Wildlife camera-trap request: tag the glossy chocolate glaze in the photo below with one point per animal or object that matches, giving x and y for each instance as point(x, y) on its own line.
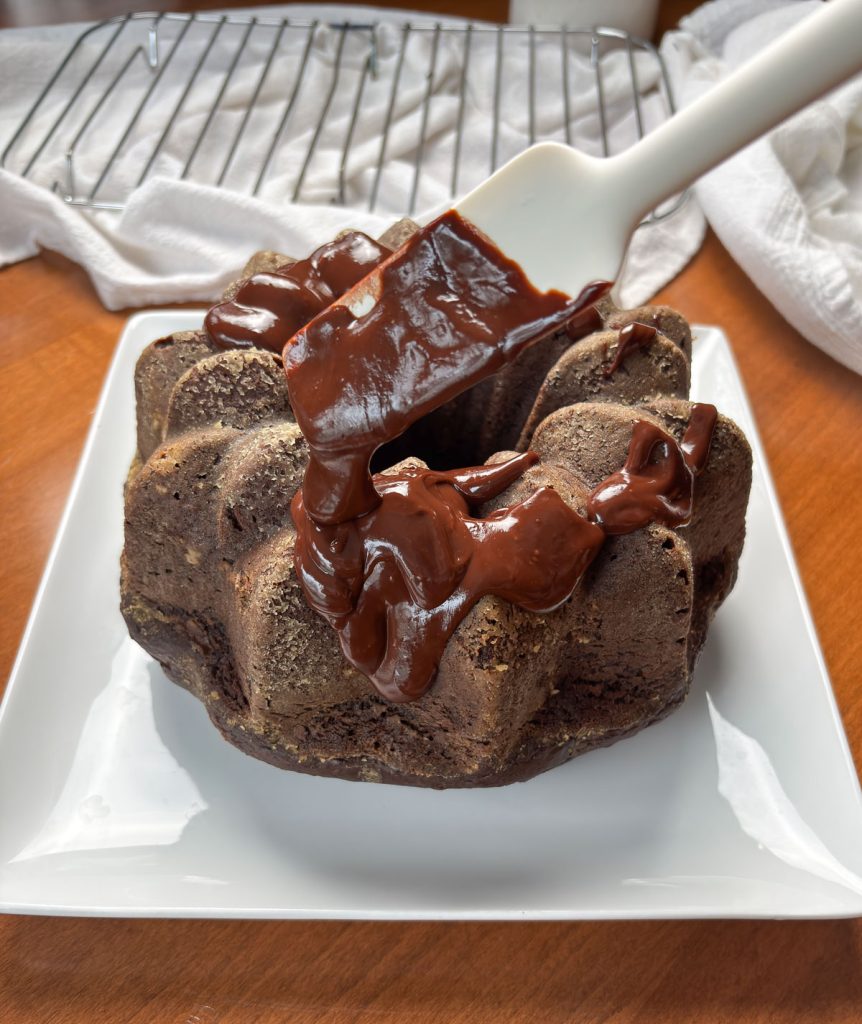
point(395, 561)
point(270, 308)
point(632, 336)
point(656, 484)
point(396, 582)
point(447, 310)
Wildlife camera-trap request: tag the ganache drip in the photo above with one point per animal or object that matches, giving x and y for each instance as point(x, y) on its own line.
point(656, 484)
point(269, 308)
point(396, 582)
point(632, 336)
point(446, 311)
point(395, 561)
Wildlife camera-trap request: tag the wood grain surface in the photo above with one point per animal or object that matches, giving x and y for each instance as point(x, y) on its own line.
point(54, 350)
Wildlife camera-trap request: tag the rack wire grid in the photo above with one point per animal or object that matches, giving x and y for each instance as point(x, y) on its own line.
point(212, 98)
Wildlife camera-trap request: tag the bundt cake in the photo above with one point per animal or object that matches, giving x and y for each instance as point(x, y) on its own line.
point(223, 570)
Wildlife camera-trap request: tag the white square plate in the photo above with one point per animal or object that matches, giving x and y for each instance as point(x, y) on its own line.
point(118, 797)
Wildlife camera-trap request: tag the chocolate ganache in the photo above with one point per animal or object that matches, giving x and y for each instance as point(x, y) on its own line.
point(395, 561)
point(656, 484)
point(446, 311)
point(270, 307)
point(396, 581)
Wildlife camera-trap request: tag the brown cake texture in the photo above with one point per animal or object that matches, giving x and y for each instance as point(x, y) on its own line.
point(209, 589)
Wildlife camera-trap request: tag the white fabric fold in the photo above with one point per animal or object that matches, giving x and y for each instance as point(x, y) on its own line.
point(788, 207)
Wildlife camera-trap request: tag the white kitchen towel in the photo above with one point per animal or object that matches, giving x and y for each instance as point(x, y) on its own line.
point(788, 207)
point(180, 240)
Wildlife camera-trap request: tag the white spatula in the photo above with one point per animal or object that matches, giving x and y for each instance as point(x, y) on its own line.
point(566, 218)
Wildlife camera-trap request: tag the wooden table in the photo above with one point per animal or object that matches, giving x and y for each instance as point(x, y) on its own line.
point(54, 350)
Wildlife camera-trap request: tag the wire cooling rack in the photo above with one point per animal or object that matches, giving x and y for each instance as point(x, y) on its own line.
point(134, 82)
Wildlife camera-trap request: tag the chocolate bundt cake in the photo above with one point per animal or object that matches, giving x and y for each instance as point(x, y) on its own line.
point(214, 538)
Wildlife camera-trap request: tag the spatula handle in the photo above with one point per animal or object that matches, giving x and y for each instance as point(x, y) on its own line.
point(816, 55)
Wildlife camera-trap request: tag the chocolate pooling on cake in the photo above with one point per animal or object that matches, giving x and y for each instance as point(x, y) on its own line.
point(449, 309)
point(395, 562)
point(269, 308)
